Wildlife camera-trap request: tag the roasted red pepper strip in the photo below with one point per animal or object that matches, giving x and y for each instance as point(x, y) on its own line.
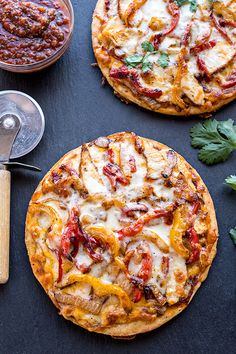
point(186, 36)
point(203, 46)
point(145, 271)
point(228, 84)
point(146, 265)
point(196, 208)
point(194, 243)
point(115, 174)
point(137, 295)
point(202, 67)
point(229, 23)
point(72, 235)
point(134, 78)
point(138, 143)
point(165, 263)
point(71, 230)
point(119, 73)
point(174, 11)
point(232, 76)
point(138, 225)
point(220, 29)
point(111, 155)
point(132, 164)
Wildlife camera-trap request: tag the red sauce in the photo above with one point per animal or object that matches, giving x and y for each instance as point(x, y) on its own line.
point(31, 31)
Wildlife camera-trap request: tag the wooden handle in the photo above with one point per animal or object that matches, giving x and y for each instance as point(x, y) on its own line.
point(5, 187)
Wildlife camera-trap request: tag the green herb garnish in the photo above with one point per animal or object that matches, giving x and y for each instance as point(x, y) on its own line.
point(146, 65)
point(231, 182)
point(138, 59)
point(216, 140)
point(147, 46)
point(133, 60)
point(163, 61)
point(233, 235)
point(181, 2)
point(193, 5)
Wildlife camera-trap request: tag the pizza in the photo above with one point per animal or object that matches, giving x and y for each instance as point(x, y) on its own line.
point(170, 56)
point(121, 233)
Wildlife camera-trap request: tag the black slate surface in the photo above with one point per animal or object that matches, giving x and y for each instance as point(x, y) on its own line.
point(78, 109)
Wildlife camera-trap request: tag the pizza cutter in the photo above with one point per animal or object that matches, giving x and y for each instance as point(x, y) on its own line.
point(21, 129)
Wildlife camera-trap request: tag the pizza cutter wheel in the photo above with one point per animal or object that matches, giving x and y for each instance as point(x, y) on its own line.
point(21, 129)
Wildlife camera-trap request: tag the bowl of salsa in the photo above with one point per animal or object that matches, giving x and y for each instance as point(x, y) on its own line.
point(34, 34)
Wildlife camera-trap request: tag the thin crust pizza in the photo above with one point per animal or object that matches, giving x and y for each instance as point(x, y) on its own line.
point(170, 56)
point(121, 233)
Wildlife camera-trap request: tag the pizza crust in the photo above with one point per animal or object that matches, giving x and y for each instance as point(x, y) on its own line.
point(125, 93)
point(125, 330)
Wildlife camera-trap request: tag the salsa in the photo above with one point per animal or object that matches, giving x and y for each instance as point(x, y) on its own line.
point(31, 31)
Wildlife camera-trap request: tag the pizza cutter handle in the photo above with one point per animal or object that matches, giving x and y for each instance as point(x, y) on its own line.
point(5, 190)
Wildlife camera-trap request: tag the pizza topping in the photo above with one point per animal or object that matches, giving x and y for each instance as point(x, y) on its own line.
point(138, 225)
point(163, 60)
point(230, 81)
point(203, 46)
point(186, 35)
point(175, 13)
point(132, 164)
point(195, 246)
point(115, 175)
point(131, 207)
point(102, 142)
point(221, 29)
point(72, 236)
point(111, 155)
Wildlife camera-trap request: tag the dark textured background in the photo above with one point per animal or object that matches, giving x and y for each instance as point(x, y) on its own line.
point(78, 109)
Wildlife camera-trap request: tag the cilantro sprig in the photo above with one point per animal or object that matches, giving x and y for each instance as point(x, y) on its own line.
point(134, 60)
point(232, 233)
point(231, 182)
point(215, 139)
point(138, 59)
point(193, 4)
point(163, 61)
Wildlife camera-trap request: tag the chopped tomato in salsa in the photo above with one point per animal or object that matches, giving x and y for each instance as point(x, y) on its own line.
point(31, 31)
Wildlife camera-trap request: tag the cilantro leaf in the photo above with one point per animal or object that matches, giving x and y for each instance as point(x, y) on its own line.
point(228, 130)
point(213, 153)
point(193, 5)
point(163, 60)
point(233, 235)
point(181, 2)
point(231, 182)
point(147, 46)
point(203, 133)
point(133, 60)
point(147, 65)
point(216, 140)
